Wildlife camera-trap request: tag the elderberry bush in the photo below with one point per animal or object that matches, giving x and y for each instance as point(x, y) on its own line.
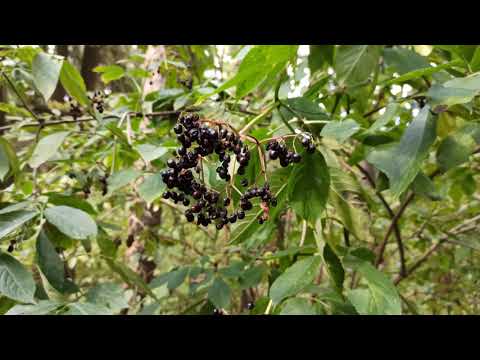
point(203, 139)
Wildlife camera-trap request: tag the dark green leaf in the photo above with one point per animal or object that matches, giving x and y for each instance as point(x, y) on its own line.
point(355, 63)
point(73, 83)
point(122, 178)
point(151, 188)
point(72, 222)
point(219, 293)
point(16, 282)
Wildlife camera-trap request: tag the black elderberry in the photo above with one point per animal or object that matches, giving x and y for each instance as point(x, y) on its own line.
point(296, 158)
point(178, 129)
point(189, 216)
point(250, 305)
point(261, 220)
point(10, 248)
point(273, 201)
point(240, 215)
point(226, 201)
point(305, 141)
point(311, 148)
point(186, 202)
point(244, 182)
point(232, 218)
point(219, 226)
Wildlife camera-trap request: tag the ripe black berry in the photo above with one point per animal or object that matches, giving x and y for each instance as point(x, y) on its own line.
point(296, 158)
point(244, 182)
point(240, 215)
point(250, 305)
point(178, 129)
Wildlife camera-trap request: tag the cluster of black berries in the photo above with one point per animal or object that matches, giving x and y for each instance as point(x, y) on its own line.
point(263, 193)
point(75, 109)
point(280, 151)
point(97, 100)
point(208, 140)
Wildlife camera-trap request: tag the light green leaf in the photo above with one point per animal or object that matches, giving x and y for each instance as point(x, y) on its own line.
point(87, 309)
point(151, 188)
point(4, 163)
point(110, 295)
point(385, 299)
point(401, 162)
point(14, 110)
point(455, 91)
point(362, 300)
point(43, 307)
point(309, 186)
point(12, 220)
point(340, 130)
point(46, 148)
point(110, 73)
point(352, 217)
point(46, 71)
point(16, 282)
point(72, 222)
point(419, 73)
point(295, 278)
point(151, 152)
point(177, 277)
point(298, 306)
point(73, 83)
point(219, 293)
point(121, 178)
point(355, 63)
point(422, 185)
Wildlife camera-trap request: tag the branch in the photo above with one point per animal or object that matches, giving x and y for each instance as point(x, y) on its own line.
point(396, 230)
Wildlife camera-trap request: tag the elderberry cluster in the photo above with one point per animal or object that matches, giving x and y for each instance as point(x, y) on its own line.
point(276, 150)
point(200, 141)
point(263, 193)
point(97, 100)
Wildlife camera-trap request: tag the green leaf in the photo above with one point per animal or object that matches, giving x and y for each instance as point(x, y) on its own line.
point(72, 201)
point(298, 306)
point(72, 222)
point(419, 73)
point(8, 159)
point(362, 300)
point(73, 83)
point(17, 207)
point(46, 71)
point(122, 178)
point(340, 130)
point(422, 185)
point(253, 276)
point(52, 265)
point(130, 276)
point(455, 91)
point(404, 60)
point(110, 73)
point(256, 66)
point(16, 282)
point(14, 110)
point(320, 55)
point(334, 267)
point(304, 108)
point(352, 217)
point(475, 62)
point(151, 152)
point(176, 278)
point(409, 153)
point(46, 148)
point(110, 295)
point(385, 299)
point(4, 163)
point(389, 114)
point(295, 278)
point(87, 309)
point(355, 63)
point(219, 293)
point(43, 307)
point(456, 148)
point(309, 187)
point(151, 188)
point(13, 220)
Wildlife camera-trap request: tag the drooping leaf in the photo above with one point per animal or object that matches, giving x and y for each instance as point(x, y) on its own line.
point(46, 148)
point(46, 72)
point(219, 293)
point(419, 73)
point(389, 114)
point(404, 60)
point(402, 161)
point(320, 55)
point(73, 83)
point(72, 222)
point(309, 187)
point(16, 282)
point(455, 91)
point(334, 267)
point(52, 265)
point(295, 278)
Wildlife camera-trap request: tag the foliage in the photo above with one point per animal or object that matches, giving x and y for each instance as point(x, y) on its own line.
point(380, 217)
